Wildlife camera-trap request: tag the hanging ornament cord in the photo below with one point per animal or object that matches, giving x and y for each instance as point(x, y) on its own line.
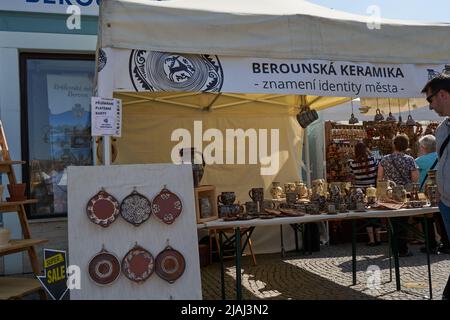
point(353, 119)
point(390, 113)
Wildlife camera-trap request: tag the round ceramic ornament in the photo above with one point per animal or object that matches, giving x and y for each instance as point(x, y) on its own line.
point(170, 264)
point(104, 268)
point(136, 208)
point(102, 209)
point(167, 206)
point(138, 264)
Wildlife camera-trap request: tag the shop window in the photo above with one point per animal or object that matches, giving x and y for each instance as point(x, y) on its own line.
point(56, 125)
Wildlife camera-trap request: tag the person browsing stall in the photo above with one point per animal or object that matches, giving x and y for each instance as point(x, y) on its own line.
point(364, 172)
point(437, 92)
point(401, 169)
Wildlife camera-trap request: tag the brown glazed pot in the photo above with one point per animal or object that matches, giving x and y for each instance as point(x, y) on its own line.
point(17, 192)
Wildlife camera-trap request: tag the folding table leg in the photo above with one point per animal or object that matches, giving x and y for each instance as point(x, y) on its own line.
point(238, 265)
point(427, 245)
point(354, 251)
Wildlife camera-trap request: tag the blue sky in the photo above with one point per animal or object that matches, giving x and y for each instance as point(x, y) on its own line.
point(420, 10)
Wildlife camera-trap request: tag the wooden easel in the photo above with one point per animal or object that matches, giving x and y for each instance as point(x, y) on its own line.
point(15, 288)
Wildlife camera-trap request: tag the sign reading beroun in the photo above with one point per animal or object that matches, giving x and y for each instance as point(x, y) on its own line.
point(87, 7)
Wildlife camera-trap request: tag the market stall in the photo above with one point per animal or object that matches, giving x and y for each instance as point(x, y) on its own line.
point(289, 56)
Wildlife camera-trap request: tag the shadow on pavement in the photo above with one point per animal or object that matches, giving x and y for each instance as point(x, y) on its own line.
point(273, 279)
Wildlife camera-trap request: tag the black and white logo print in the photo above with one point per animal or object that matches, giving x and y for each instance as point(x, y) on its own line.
point(102, 59)
point(161, 71)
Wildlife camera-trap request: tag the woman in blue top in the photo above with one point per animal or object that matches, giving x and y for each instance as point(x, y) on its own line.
point(428, 155)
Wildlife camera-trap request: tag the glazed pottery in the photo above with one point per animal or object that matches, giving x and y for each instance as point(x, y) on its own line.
point(251, 207)
point(102, 209)
point(256, 194)
point(307, 116)
point(291, 197)
point(104, 268)
point(276, 191)
point(190, 155)
point(170, 264)
point(138, 264)
point(135, 208)
point(167, 206)
point(17, 192)
point(226, 198)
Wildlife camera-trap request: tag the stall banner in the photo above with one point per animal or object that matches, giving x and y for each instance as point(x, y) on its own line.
point(106, 117)
point(141, 70)
point(54, 279)
point(87, 7)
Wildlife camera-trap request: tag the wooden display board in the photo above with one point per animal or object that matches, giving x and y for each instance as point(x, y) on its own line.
point(86, 238)
point(208, 192)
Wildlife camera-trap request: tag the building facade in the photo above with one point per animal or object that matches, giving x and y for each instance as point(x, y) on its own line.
point(47, 67)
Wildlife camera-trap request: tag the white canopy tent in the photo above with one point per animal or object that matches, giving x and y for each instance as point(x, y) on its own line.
point(219, 56)
point(281, 29)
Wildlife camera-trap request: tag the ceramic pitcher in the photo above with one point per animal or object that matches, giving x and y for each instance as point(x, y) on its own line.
point(302, 190)
point(399, 193)
point(276, 191)
point(384, 189)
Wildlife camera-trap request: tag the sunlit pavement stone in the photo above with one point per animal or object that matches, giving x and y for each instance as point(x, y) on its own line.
point(328, 275)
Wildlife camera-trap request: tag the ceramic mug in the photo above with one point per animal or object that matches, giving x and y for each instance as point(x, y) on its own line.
point(236, 209)
point(251, 207)
point(267, 204)
point(226, 198)
point(224, 210)
point(291, 197)
point(256, 194)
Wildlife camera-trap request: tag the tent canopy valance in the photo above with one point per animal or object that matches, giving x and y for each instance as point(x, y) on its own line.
point(284, 29)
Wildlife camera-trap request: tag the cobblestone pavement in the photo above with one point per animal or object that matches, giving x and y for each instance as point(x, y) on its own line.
point(328, 275)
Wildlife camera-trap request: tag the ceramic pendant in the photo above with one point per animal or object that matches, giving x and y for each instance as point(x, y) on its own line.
point(167, 206)
point(170, 264)
point(102, 209)
point(136, 208)
point(138, 264)
point(104, 268)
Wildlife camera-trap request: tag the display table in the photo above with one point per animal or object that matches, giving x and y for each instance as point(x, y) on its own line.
point(352, 215)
